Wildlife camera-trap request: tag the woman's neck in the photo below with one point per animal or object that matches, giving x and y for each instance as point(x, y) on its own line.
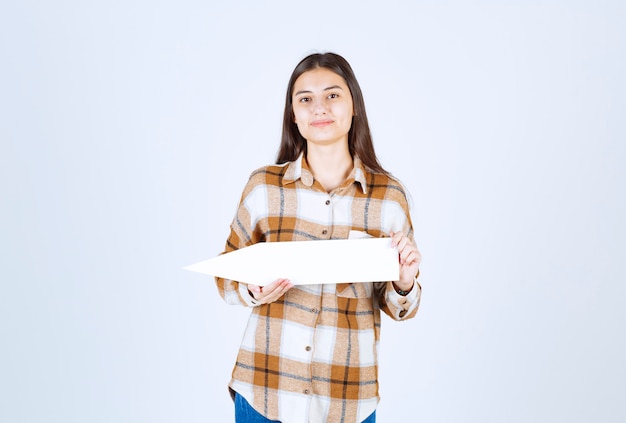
point(330, 165)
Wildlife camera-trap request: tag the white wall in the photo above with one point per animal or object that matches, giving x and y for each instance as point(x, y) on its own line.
point(129, 128)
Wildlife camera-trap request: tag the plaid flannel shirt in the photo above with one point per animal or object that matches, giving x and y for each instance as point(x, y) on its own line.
point(312, 356)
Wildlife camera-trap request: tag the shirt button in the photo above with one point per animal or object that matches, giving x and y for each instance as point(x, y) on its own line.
point(313, 310)
point(308, 348)
point(324, 232)
point(306, 392)
point(327, 202)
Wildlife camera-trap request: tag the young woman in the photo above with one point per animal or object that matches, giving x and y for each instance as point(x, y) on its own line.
point(310, 352)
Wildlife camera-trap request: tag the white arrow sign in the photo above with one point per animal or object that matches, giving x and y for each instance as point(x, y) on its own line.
point(307, 262)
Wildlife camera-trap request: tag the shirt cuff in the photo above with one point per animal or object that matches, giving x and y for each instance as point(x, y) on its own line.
point(405, 303)
point(248, 299)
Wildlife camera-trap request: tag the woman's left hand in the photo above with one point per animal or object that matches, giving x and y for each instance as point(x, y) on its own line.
point(409, 258)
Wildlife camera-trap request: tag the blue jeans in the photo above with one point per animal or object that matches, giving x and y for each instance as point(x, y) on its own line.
point(244, 413)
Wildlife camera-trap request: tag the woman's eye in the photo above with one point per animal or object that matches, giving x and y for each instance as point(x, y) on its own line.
point(333, 95)
point(304, 100)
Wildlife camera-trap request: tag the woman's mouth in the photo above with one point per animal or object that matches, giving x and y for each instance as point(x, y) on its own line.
point(321, 123)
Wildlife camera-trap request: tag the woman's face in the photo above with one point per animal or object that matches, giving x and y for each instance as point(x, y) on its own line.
point(322, 107)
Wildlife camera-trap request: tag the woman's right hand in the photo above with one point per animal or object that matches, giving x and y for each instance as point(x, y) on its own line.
point(270, 292)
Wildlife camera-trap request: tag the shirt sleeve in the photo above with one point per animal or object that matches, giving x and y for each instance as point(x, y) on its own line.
point(242, 234)
point(396, 306)
point(400, 307)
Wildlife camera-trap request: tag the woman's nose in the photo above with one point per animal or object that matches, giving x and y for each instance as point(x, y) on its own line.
point(319, 106)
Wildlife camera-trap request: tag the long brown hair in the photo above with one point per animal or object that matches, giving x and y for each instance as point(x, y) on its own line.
point(359, 138)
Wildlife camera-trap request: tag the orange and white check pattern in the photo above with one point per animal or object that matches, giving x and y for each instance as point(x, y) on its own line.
point(312, 356)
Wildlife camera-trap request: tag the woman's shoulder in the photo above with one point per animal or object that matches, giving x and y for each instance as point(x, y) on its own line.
point(388, 179)
point(390, 186)
point(267, 175)
point(383, 180)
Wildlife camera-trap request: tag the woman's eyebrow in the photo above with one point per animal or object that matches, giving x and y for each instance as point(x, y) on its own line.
point(332, 87)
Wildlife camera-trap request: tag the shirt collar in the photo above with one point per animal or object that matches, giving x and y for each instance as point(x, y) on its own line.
point(299, 169)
